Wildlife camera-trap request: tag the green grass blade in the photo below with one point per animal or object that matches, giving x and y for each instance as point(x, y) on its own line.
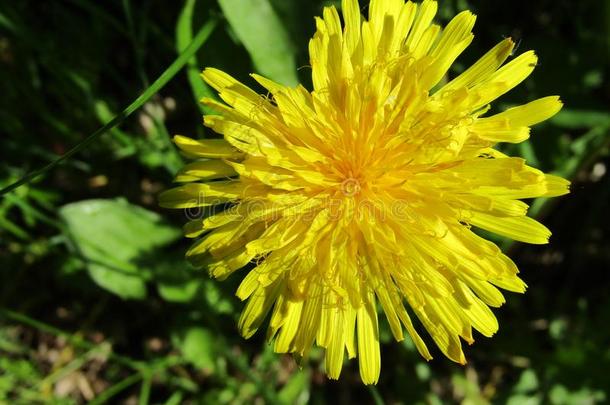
point(377, 399)
point(69, 368)
point(145, 389)
point(6, 23)
point(263, 387)
point(184, 35)
point(158, 84)
point(175, 398)
point(99, 13)
point(13, 228)
point(116, 389)
point(73, 339)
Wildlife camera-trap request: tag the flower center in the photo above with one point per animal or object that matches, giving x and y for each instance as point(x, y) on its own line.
point(351, 187)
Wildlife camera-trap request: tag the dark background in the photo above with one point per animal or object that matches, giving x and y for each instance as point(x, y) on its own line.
point(96, 300)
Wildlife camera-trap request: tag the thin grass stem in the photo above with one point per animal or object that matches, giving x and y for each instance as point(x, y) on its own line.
point(162, 80)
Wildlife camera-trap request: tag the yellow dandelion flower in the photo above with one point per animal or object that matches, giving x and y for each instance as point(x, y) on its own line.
point(363, 191)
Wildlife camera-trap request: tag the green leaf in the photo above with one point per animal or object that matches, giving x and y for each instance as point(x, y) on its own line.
point(296, 389)
point(175, 282)
point(13, 228)
point(117, 240)
point(175, 398)
point(197, 345)
point(423, 372)
point(218, 301)
point(184, 292)
point(521, 399)
point(528, 382)
point(467, 389)
point(261, 31)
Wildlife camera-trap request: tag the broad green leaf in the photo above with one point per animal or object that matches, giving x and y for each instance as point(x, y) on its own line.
point(118, 241)
point(176, 282)
point(183, 292)
point(261, 31)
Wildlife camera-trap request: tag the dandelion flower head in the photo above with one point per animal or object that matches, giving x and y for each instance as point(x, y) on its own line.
point(365, 192)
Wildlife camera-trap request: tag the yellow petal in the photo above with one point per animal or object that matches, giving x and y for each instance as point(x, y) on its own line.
point(523, 229)
point(229, 88)
point(335, 346)
point(425, 14)
point(512, 124)
point(531, 113)
point(200, 195)
point(555, 186)
point(351, 15)
point(196, 227)
point(257, 308)
point(448, 342)
point(368, 343)
point(481, 317)
point(454, 40)
point(290, 324)
point(206, 148)
point(507, 77)
point(483, 68)
point(310, 321)
point(224, 267)
point(498, 129)
point(204, 170)
point(270, 85)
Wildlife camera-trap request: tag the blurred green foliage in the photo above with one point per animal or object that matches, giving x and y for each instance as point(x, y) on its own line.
point(97, 302)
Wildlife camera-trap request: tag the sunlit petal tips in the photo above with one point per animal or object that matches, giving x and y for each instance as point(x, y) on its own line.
point(362, 193)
